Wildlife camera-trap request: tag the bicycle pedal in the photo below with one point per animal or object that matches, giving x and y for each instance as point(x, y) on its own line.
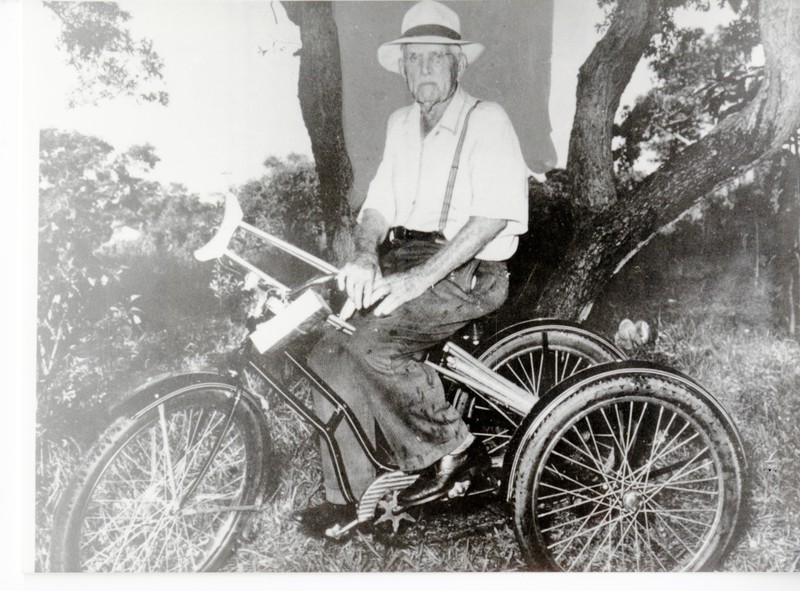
point(459, 489)
point(337, 532)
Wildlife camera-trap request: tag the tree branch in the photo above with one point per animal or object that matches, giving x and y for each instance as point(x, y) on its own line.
point(601, 81)
point(755, 132)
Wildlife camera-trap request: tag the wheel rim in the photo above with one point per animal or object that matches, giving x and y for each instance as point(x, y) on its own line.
point(630, 484)
point(138, 518)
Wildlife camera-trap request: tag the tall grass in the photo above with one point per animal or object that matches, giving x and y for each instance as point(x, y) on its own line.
point(756, 374)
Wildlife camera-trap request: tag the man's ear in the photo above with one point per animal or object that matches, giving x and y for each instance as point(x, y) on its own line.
point(401, 69)
point(462, 64)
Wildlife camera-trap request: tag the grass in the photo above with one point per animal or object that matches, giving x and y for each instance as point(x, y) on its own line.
point(756, 375)
point(715, 332)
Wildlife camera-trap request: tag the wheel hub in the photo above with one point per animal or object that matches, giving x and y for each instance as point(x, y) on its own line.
point(632, 500)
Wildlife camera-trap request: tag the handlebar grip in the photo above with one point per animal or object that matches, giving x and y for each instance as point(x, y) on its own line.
point(218, 244)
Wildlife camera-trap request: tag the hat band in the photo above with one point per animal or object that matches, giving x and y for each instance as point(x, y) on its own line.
point(432, 30)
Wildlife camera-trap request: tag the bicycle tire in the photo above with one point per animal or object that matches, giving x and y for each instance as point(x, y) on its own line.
point(127, 509)
point(629, 470)
point(536, 358)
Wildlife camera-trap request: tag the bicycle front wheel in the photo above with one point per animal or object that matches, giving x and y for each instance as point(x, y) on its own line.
point(633, 470)
point(167, 490)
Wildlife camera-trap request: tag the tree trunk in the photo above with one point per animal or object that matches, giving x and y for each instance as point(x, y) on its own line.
point(320, 94)
point(605, 240)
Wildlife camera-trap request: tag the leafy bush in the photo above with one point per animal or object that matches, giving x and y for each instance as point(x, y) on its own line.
point(120, 294)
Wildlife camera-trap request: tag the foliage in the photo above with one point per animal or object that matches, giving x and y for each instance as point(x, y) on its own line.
point(84, 188)
point(285, 201)
point(109, 61)
point(120, 293)
point(699, 79)
point(90, 313)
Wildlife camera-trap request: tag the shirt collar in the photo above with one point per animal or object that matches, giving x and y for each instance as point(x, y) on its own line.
point(451, 116)
point(452, 113)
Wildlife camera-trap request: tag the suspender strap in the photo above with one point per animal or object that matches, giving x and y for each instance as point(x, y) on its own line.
point(451, 181)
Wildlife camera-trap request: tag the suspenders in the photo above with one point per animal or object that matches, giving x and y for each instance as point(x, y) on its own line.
point(451, 181)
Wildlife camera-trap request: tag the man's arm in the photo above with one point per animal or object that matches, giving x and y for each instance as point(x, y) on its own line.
point(400, 288)
point(358, 276)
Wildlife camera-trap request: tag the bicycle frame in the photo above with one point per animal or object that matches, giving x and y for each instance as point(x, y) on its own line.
point(325, 429)
point(456, 364)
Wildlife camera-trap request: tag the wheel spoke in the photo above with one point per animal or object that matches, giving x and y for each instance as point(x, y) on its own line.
point(520, 380)
point(596, 500)
point(678, 518)
point(599, 455)
point(167, 452)
point(629, 481)
point(130, 524)
point(563, 491)
point(622, 537)
point(577, 463)
point(587, 453)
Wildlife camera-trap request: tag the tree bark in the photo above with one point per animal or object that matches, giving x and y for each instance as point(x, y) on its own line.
point(601, 81)
point(604, 241)
point(320, 94)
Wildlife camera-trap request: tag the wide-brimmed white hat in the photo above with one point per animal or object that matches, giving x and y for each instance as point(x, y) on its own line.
point(427, 22)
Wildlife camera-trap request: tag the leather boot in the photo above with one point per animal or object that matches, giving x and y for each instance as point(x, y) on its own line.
point(436, 480)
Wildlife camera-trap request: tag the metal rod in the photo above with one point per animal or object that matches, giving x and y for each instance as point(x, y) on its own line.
point(478, 385)
point(268, 278)
point(499, 391)
point(460, 353)
point(342, 325)
point(509, 393)
point(490, 397)
point(290, 248)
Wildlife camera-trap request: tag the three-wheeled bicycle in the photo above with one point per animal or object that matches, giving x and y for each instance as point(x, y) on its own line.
point(606, 464)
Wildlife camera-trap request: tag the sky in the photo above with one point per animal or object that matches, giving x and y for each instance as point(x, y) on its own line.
point(225, 90)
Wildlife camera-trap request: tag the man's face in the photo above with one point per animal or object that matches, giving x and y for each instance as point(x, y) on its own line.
point(431, 71)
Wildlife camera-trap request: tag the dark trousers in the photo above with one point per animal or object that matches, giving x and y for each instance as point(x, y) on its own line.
point(379, 372)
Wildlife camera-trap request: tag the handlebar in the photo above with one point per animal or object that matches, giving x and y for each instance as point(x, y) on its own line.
point(233, 220)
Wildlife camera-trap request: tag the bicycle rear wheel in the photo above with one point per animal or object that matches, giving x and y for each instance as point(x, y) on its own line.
point(167, 490)
point(535, 358)
point(631, 470)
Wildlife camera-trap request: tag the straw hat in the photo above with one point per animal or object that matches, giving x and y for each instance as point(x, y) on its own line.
point(427, 22)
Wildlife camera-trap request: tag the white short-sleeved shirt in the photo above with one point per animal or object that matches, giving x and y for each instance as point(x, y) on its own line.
point(492, 181)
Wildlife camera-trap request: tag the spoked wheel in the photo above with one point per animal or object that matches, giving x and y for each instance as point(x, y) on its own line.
point(638, 471)
point(167, 490)
point(535, 358)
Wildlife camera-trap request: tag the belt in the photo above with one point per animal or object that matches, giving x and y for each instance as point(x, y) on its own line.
point(399, 234)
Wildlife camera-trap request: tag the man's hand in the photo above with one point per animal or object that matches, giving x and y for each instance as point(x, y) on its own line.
point(358, 278)
point(398, 289)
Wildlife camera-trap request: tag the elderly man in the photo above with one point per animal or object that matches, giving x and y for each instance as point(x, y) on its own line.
point(448, 203)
